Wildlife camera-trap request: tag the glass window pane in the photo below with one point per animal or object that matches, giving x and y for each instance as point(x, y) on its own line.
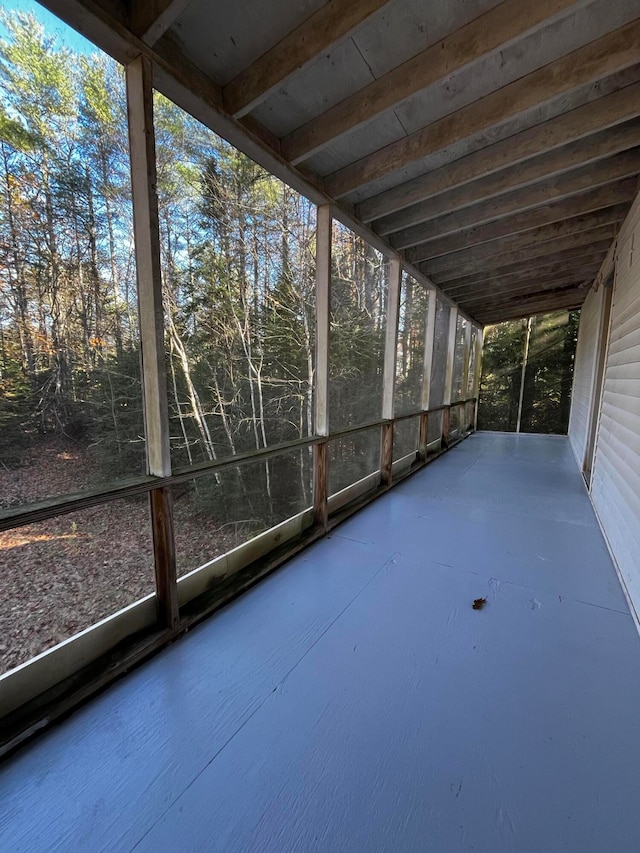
point(352, 458)
point(219, 511)
point(62, 575)
point(70, 396)
point(410, 348)
point(359, 293)
point(238, 267)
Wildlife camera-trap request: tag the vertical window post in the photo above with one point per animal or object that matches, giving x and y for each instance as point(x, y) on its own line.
point(448, 377)
point(523, 374)
point(389, 375)
point(147, 251)
point(321, 414)
point(429, 337)
point(465, 420)
point(478, 373)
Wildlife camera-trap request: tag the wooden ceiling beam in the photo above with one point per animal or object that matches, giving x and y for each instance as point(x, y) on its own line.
point(555, 189)
point(598, 59)
point(581, 122)
point(536, 257)
point(331, 22)
point(558, 162)
point(528, 285)
point(575, 229)
point(494, 28)
point(560, 290)
point(556, 212)
point(524, 273)
point(573, 298)
point(150, 19)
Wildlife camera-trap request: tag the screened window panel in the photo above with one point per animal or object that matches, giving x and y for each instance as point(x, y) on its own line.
point(434, 428)
point(410, 346)
point(546, 399)
point(502, 357)
point(71, 413)
point(406, 435)
point(439, 362)
point(352, 458)
point(63, 575)
point(238, 271)
point(457, 391)
point(359, 297)
point(220, 511)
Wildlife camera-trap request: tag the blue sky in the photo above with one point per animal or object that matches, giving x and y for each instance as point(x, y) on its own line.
point(53, 26)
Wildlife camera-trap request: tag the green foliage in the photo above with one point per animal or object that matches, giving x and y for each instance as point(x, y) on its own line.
point(548, 375)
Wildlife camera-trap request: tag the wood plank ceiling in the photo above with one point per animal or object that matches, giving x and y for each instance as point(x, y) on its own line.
point(495, 145)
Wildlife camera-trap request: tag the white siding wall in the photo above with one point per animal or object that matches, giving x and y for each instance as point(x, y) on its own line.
point(615, 488)
point(584, 372)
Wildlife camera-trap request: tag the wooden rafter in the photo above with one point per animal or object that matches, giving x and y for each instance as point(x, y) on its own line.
point(150, 19)
point(524, 273)
point(489, 31)
point(573, 297)
point(526, 198)
point(583, 121)
point(558, 291)
point(587, 202)
point(576, 229)
point(599, 58)
point(479, 296)
point(310, 39)
point(533, 256)
point(561, 160)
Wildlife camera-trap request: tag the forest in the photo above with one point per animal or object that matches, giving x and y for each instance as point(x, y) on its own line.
point(545, 346)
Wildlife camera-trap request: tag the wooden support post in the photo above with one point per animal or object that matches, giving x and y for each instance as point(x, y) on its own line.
point(389, 376)
point(423, 440)
point(320, 495)
point(429, 337)
point(386, 454)
point(321, 414)
point(446, 421)
point(147, 250)
point(448, 376)
point(164, 549)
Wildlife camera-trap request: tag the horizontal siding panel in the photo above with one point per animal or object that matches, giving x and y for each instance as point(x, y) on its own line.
point(612, 484)
point(615, 488)
point(620, 399)
point(625, 339)
point(618, 449)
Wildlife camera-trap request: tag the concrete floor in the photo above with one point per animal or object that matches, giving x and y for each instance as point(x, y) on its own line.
point(355, 701)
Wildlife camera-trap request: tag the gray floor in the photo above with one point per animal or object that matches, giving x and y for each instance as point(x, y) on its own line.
point(355, 701)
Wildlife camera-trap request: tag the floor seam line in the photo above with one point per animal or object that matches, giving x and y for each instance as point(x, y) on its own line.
point(266, 698)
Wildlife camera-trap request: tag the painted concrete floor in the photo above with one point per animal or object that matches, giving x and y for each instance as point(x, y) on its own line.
point(355, 701)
